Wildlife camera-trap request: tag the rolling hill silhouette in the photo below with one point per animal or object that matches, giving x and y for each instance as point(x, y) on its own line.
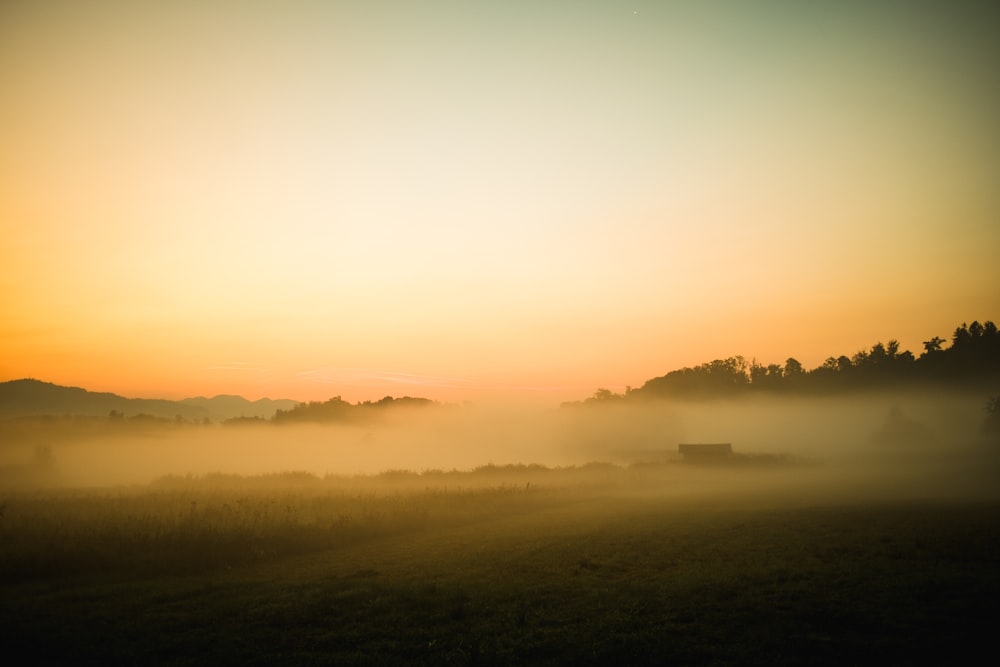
point(29, 397)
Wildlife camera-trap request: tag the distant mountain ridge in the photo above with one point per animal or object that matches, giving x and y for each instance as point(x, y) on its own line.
point(29, 397)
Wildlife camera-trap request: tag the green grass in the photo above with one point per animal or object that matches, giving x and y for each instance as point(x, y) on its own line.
point(507, 566)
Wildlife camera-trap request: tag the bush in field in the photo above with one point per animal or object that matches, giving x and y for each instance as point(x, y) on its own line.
point(991, 426)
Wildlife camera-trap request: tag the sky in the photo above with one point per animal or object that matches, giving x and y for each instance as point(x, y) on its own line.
point(462, 199)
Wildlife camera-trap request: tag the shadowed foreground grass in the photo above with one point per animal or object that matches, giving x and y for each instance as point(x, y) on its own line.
point(496, 572)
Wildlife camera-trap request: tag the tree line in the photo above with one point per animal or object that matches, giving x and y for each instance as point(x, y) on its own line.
point(971, 359)
point(337, 409)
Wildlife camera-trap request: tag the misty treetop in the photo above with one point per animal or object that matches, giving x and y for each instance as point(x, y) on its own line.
point(971, 360)
point(337, 409)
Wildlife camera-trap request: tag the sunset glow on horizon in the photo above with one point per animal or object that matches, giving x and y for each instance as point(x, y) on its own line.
point(465, 200)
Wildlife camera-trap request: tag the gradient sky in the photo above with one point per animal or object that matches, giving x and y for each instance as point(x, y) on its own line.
point(458, 199)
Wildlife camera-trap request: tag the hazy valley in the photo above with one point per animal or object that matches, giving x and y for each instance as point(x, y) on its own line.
point(848, 520)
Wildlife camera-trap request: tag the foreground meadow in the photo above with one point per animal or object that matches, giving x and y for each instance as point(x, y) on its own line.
point(502, 565)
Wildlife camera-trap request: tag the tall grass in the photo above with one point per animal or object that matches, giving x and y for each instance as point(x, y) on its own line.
point(185, 524)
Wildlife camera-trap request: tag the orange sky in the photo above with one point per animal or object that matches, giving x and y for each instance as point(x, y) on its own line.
point(460, 200)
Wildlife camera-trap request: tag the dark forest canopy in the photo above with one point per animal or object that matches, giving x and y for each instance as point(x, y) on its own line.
point(339, 410)
point(971, 360)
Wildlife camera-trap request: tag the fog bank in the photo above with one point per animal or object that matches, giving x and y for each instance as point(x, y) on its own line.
point(930, 437)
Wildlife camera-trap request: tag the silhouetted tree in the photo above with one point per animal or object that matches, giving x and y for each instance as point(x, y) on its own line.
point(718, 377)
point(605, 396)
point(834, 374)
point(933, 345)
point(960, 339)
point(974, 351)
point(878, 354)
point(974, 355)
point(767, 377)
point(334, 409)
point(337, 409)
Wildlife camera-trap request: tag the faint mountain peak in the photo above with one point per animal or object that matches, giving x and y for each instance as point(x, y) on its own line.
point(30, 397)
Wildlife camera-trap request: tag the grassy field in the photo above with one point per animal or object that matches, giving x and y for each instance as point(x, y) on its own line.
point(505, 565)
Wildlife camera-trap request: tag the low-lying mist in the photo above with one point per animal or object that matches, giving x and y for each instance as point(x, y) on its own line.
point(917, 443)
